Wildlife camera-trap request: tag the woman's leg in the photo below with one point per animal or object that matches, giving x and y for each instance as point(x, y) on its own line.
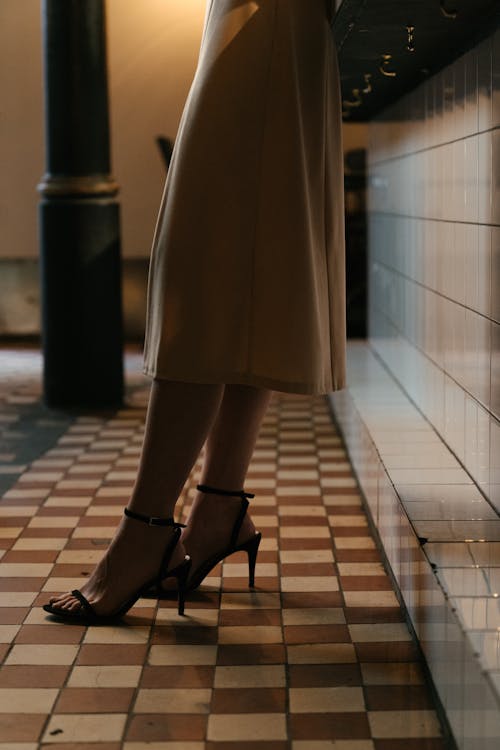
point(229, 448)
point(179, 418)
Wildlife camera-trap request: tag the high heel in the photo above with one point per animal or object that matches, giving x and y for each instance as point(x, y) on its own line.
point(87, 614)
point(250, 546)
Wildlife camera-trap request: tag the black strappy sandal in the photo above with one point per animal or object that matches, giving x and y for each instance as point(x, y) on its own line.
point(251, 546)
point(87, 614)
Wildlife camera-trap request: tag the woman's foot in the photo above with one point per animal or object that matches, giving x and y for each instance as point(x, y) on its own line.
point(132, 560)
point(209, 530)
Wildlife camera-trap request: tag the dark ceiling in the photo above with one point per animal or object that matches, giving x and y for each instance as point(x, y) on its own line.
point(373, 39)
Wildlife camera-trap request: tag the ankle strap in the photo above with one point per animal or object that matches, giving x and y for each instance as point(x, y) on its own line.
point(229, 493)
point(153, 520)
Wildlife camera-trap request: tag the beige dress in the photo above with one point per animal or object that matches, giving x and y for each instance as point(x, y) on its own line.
point(247, 273)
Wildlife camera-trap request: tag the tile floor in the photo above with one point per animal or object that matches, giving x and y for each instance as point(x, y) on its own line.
point(318, 656)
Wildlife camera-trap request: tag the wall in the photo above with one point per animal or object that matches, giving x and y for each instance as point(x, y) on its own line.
point(434, 245)
point(153, 50)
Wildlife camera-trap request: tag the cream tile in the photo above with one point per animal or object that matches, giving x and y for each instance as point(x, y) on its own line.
point(326, 700)
point(80, 728)
point(111, 492)
point(59, 585)
point(342, 521)
point(340, 500)
point(391, 631)
point(353, 542)
point(182, 655)
point(314, 616)
point(405, 724)
point(11, 532)
point(53, 522)
point(361, 569)
point(25, 570)
point(118, 634)
point(253, 676)
point(27, 700)
point(294, 491)
point(264, 522)
point(256, 634)
point(297, 474)
point(104, 510)
point(344, 482)
point(370, 599)
point(42, 654)
point(250, 600)
point(240, 570)
point(94, 532)
point(309, 583)
point(18, 745)
point(18, 510)
point(17, 598)
point(167, 701)
point(78, 484)
point(387, 673)
point(41, 476)
point(105, 676)
point(8, 633)
point(74, 556)
point(306, 556)
point(45, 543)
point(305, 532)
point(33, 492)
point(235, 727)
point(322, 653)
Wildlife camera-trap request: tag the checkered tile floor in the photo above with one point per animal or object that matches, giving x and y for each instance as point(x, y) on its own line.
point(317, 657)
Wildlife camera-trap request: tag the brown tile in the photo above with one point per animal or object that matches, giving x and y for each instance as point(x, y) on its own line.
point(35, 556)
point(389, 651)
point(81, 746)
point(365, 583)
point(334, 726)
point(94, 700)
point(97, 654)
point(249, 700)
point(415, 743)
point(12, 615)
point(177, 677)
point(249, 617)
point(32, 676)
point(53, 633)
point(27, 730)
point(312, 599)
point(358, 615)
point(71, 570)
point(324, 675)
point(309, 569)
point(397, 697)
point(251, 654)
point(303, 520)
point(316, 634)
point(43, 533)
point(357, 555)
point(4, 647)
point(21, 584)
point(166, 634)
point(162, 727)
point(232, 584)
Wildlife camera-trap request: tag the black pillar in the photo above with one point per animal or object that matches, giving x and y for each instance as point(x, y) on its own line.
point(79, 215)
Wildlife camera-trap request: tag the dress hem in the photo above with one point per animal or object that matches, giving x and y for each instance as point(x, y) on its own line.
point(306, 389)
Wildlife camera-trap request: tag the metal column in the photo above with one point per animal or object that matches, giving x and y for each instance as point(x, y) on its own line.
point(79, 215)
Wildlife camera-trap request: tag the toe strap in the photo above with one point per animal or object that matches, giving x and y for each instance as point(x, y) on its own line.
point(84, 602)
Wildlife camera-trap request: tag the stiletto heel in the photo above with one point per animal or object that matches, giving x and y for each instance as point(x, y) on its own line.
point(251, 546)
point(87, 614)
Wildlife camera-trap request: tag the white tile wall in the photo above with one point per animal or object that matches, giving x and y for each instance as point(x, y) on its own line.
point(434, 253)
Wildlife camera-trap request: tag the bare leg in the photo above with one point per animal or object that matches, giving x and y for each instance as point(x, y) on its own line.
point(229, 449)
point(179, 418)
